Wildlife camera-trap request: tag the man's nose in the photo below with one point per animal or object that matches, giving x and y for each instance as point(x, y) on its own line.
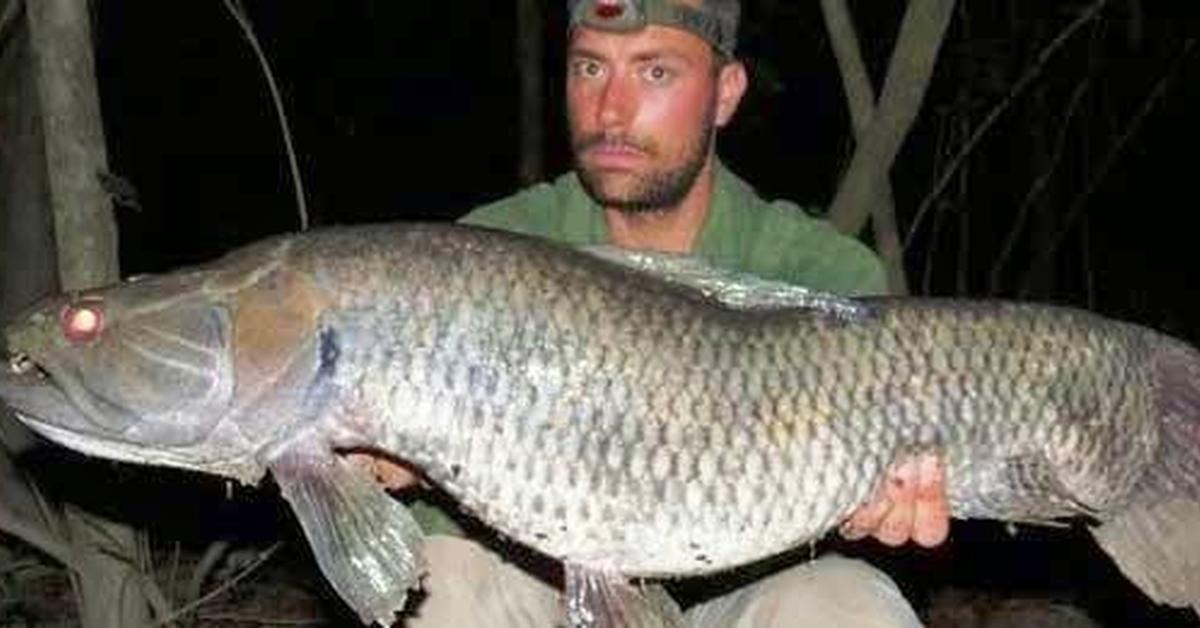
point(618, 102)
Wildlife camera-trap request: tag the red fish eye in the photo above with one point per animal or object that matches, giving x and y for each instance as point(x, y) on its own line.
point(609, 10)
point(82, 322)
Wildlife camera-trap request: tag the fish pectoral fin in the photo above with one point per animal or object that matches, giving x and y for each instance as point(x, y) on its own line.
point(599, 599)
point(366, 543)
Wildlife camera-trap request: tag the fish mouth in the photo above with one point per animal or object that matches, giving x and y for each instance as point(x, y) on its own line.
point(40, 401)
point(34, 389)
point(21, 365)
point(30, 389)
point(22, 375)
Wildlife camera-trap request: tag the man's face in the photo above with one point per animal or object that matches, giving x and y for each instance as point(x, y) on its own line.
point(642, 108)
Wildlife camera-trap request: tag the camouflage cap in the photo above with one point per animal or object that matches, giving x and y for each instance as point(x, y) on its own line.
point(714, 21)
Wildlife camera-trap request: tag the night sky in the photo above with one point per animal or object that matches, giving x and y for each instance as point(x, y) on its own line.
point(407, 110)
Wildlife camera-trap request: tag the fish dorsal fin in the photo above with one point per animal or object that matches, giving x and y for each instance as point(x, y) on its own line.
point(365, 542)
point(737, 290)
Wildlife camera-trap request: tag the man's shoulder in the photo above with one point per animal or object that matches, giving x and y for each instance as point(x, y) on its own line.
point(835, 261)
point(531, 210)
point(793, 243)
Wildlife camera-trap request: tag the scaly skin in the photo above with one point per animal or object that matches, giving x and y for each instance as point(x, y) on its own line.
point(614, 422)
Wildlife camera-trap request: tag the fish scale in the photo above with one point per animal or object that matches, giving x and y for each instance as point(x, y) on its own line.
point(835, 387)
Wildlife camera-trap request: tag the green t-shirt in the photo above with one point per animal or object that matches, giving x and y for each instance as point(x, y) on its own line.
point(775, 240)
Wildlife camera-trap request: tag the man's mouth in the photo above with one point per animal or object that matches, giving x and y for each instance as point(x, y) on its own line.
point(614, 155)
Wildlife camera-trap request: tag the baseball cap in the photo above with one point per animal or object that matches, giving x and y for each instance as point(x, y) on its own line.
point(714, 21)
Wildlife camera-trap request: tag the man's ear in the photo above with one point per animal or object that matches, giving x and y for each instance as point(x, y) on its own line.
point(731, 85)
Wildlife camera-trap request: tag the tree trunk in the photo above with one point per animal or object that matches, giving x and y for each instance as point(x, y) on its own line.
point(84, 224)
point(107, 558)
point(532, 159)
point(27, 257)
point(860, 98)
point(908, 76)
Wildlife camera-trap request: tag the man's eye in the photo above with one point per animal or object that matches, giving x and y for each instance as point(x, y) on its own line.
point(586, 68)
point(658, 74)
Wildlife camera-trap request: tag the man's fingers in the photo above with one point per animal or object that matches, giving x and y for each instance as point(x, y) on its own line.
point(865, 521)
point(869, 519)
point(931, 514)
point(911, 505)
point(391, 475)
point(901, 489)
point(366, 462)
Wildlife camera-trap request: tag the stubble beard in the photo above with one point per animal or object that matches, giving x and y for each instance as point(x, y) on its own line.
point(652, 190)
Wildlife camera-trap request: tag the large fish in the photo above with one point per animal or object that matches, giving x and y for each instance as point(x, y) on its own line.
point(631, 414)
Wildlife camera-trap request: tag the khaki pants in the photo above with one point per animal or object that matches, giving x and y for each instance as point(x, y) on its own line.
point(468, 585)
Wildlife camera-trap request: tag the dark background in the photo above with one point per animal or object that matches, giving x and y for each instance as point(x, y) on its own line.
point(407, 110)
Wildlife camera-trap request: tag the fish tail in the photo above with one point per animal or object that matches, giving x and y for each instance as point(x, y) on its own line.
point(1156, 541)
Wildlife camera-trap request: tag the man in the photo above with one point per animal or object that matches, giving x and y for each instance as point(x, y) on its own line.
point(648, 84)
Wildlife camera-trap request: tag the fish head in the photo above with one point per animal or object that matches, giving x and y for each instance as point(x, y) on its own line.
point(126, 371)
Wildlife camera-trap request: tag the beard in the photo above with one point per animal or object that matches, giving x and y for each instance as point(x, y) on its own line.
point(653, 189)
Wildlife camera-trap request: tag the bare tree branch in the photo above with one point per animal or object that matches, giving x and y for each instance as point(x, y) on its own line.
point(860, 98)
point(921, 34)
point(1116, 149)
point(239, 14)
point(208, 561)
point(263, 557)
point(944, 139)
point(1018, 88)
point(1039, 186)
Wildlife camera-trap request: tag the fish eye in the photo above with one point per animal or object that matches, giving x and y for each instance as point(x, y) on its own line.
point(82, 322)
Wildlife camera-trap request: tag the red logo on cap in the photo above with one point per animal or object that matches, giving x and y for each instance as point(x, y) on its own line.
point(609, 9)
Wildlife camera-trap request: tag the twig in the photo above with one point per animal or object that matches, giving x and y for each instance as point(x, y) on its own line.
point(964, 227)
point(1079, 203)
point(154, 594)
point(173, 569)
point(939, 152)
point(1018, 88)
point(1089, 277)
point(212, 555)
point(224, 586)
point(1039, 186)
point(235, 9)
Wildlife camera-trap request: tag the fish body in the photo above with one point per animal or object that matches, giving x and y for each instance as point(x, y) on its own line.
point(644, 416)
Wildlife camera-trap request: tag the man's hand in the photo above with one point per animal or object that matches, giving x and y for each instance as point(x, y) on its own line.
point(391, 475)
point(911, 506)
